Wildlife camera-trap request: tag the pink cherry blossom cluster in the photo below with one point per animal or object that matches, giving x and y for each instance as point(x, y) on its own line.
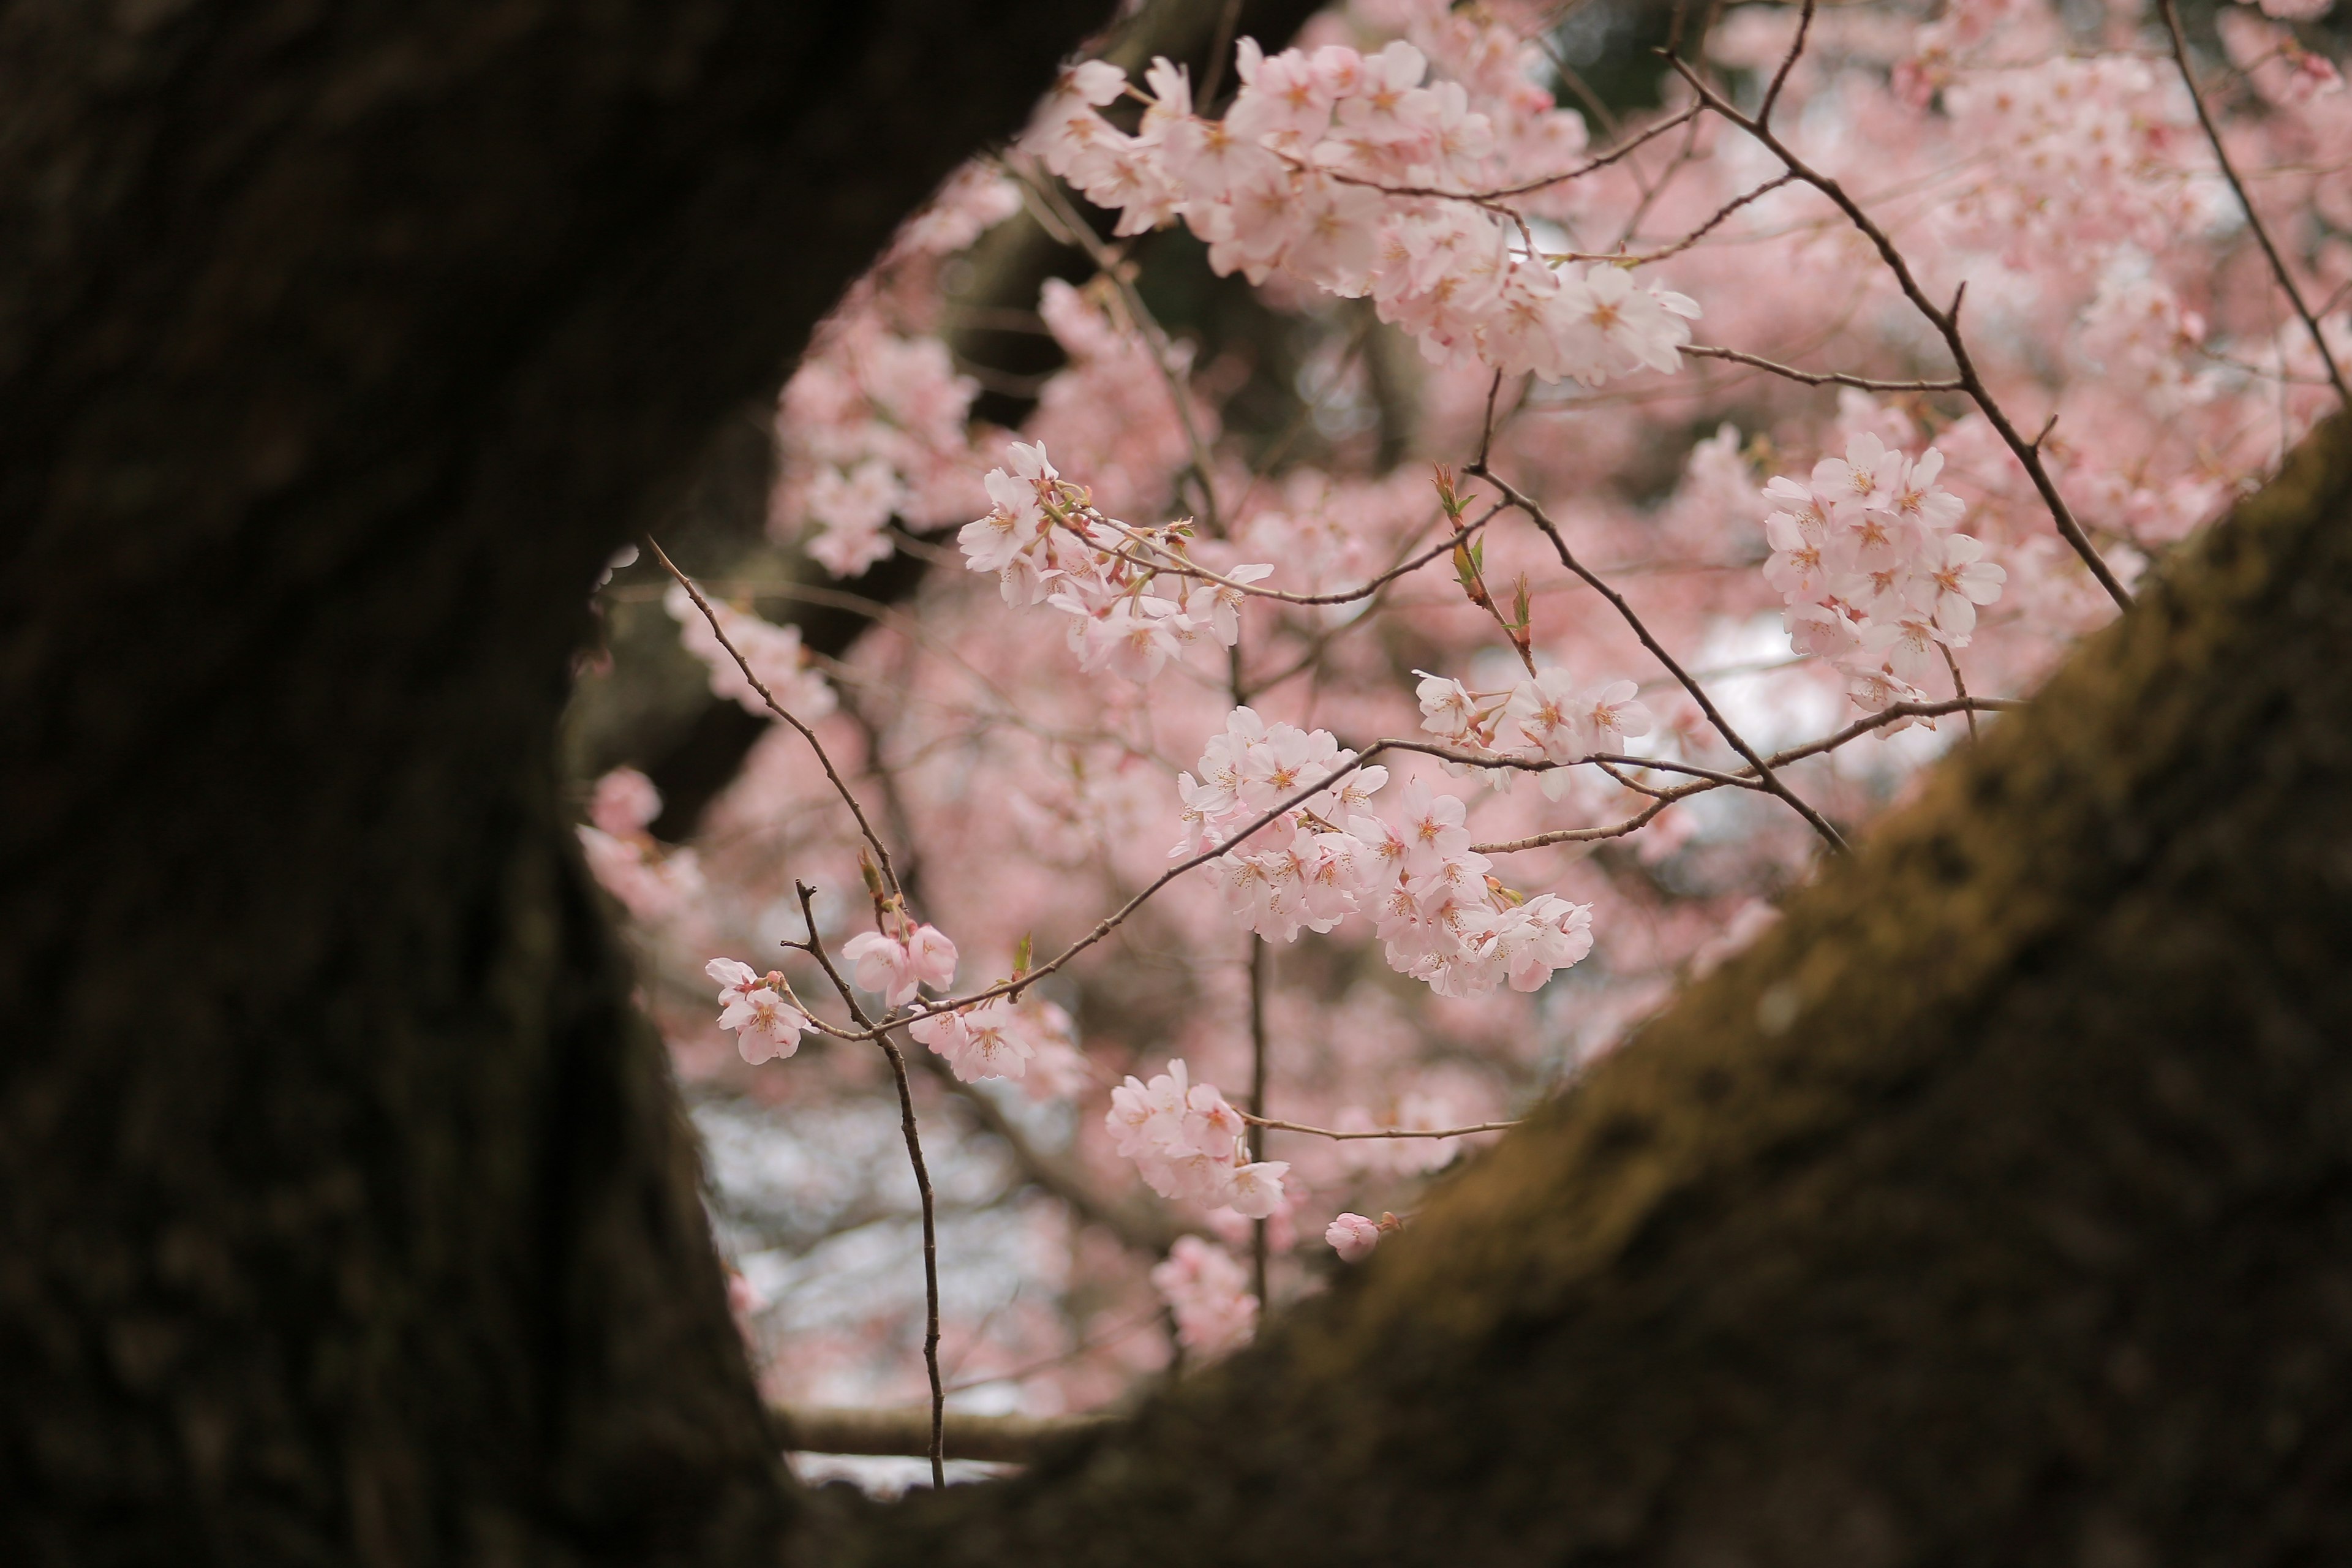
point(896, 967)
point(1208, 1294)
point(873, 424)
point(1344, 171)
point(1189, 1144)
point(757, 1009)
point(872, 427)
point(2079, 154)
point(1874, 577)
point(773, 652)
point(1002, 1037)
point(1549, 716)
point(1132, 603)
point(651, 883)
point(1443, 921)
point(2137, 331)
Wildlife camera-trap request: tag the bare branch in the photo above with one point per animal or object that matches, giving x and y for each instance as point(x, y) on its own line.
point(873, 840)
point(1006, 1440)
point(1379, 1131)
point(2253, 218)
point(1821, 377)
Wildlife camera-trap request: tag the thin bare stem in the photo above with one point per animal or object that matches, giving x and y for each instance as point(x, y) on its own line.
point(1379, 1131)
point(1820, 377)
point(1181, 566)
point(1716, 220)
point(1221, 44)
point(1112, 922)
point(816, 948)
point(1892, 714)
point(2253, 219)
point(1788, 64)
point(1959, 686)
point(1488, 199)
point(1261, 981)
point(840, 787)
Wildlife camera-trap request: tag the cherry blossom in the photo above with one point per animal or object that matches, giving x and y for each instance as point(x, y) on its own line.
point(1352, 1236)
point(895, 968)
point(1206, 1290)
point(766, 1028)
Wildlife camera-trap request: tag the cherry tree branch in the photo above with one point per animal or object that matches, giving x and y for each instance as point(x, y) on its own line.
point(1112, 922)
point(1946, 321)
point(2253, 218)
point(1005, 1439)
point(1820, 377)
point(1114, 267)
point(1504, 193)
point(1379, 1131)
point(1643, 258)
point(1723, 727)
point(814, 948)
point(1892, 713)
point(1177, 565)
point(841, 787)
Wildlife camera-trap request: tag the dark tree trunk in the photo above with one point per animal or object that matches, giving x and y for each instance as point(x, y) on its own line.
point(1997, 1208)
point(349, 1216)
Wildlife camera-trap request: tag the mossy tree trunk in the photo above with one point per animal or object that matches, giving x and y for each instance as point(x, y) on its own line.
point(1997, 1208)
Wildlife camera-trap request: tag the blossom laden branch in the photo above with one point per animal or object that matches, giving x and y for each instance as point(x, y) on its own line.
point(1542, 519)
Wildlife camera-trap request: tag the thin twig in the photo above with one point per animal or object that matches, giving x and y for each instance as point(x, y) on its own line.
point(866, 828)
point(1182, 566)
point(1261, 966)
point(1959, 686)
point(814, 948)
point(1379, 1131)
point(1114, 266)
point(1112, 922)
point(1221, 44)
point(1892, 713)
point(1646, 257)
point(2253, 218)
point(1488, 199)
point(1820, 377)
point(1788, 64)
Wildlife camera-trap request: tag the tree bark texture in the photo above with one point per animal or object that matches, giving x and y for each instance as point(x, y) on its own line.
point(349, 1216)
point(1996, 1208)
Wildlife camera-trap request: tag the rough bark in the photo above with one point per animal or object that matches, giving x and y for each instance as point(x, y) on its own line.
point(1996, 1208)
point(347, 1215)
